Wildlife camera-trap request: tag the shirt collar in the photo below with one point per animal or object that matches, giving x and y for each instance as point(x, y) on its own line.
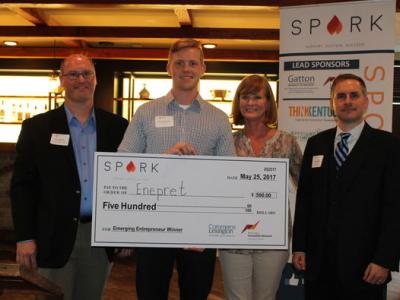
point(73, 120)
point(196, 105)
point(355, 132)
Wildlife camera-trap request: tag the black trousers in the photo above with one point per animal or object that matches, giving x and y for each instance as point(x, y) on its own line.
point(333, 290)
point(328, 285)
point(154, 268)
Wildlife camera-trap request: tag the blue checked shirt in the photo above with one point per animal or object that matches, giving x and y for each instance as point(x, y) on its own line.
point(202, 125)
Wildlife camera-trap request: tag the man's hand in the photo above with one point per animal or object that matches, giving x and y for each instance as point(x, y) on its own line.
point(123, 252)
point(375, 274)
point(299, 260)
point(26, 254)
point(194, 249)
point(181, 148)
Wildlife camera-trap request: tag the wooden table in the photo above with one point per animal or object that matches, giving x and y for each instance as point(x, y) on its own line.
point(18, 280)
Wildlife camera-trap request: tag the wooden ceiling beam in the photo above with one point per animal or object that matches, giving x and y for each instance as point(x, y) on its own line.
point(174, 2)
point(29, 14)
point(139, 32)
point(138, 54)
point(147, 2)
point(183, 16)
point(170, 3)
point(75, 43)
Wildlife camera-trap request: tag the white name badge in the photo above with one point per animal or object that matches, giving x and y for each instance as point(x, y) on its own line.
point(317, 161)
point(59, 139)
point(153, 200)
point(164, 121)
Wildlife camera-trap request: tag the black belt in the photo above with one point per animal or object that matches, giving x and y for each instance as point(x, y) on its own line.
point(85, 219)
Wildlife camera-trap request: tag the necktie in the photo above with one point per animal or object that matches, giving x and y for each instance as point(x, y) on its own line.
point(342, 149)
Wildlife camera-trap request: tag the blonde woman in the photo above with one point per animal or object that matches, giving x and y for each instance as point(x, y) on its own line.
point(255, 274)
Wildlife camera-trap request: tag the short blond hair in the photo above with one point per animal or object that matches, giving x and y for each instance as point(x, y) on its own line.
point(185, 43)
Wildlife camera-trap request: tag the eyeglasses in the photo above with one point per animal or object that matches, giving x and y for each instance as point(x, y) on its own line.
point(343, 96)
point(75, 75)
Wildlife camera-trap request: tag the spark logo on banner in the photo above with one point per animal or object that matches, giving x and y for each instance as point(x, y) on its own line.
point(131, 167)
point(335, 26)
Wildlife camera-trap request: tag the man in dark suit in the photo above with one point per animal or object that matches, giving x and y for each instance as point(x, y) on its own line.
point(51, 187)
point(347, 220)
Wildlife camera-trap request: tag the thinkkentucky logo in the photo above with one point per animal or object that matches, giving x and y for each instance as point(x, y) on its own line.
point(335, 26)
point(250, 226)
point(131, 167)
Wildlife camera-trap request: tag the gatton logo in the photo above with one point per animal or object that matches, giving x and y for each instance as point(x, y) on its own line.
point(334, 26)
point(250, 226)
point(131, 167)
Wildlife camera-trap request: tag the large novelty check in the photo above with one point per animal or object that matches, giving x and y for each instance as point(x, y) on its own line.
point(149, 200)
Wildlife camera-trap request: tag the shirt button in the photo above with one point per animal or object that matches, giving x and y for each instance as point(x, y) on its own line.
point(84, 164)
point(77, 191)
point(85, 180)
point(75, 220)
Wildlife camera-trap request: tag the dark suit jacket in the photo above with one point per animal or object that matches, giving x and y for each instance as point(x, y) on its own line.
point(45, 187)
point(358, 208)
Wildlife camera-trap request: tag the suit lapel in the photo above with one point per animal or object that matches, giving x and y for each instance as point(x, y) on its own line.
point(59, 124)
point(327, 147)
point(357, 157)
point(329, 159)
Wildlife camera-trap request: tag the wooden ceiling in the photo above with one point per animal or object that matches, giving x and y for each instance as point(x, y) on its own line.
point(244, 30)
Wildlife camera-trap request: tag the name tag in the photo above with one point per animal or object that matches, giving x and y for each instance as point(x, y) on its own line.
point(164, 121)
point(59, 139)
point(317, 161)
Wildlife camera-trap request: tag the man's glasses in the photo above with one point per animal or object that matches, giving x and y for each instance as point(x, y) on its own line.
point(75, 75)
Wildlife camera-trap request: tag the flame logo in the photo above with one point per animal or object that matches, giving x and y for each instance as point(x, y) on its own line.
point(329, 79)
point(131, 167)
point(335, 26)
point(250, 226)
